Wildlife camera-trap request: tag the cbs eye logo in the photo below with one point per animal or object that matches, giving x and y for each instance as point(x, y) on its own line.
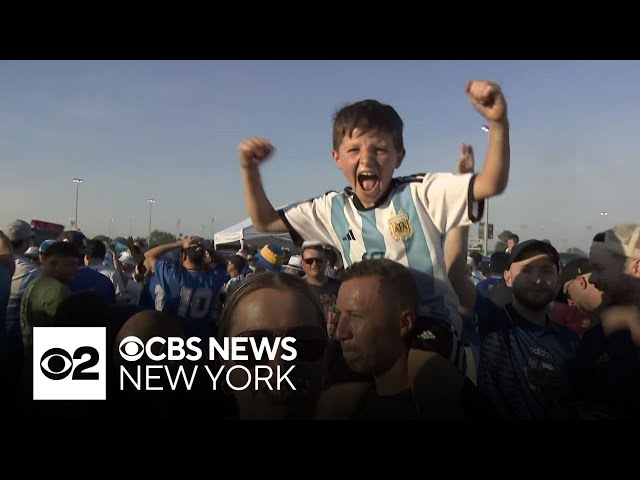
point(131, 349)
point(57, 364)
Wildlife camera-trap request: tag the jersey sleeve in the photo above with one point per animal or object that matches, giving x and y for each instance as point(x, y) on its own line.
point(165, 275)
point(449, 200)
point(164, 272)
point(310, 220)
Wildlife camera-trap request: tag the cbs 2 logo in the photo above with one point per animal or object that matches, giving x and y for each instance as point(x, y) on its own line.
point(57, 363)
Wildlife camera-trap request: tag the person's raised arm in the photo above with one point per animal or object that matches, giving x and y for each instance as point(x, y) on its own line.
point(265, 218)
point(152, 256)
point(488, 100)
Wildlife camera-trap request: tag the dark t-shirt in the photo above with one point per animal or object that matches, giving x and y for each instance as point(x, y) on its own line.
point(607, 379)
point(327, 293)
point(402, 406)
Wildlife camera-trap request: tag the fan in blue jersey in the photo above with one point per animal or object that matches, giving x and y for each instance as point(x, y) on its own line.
point(526, 361)
point(378, 216)
point(189, 292)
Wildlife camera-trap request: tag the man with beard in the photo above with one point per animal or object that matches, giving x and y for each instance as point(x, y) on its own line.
point(189, 292)
point(519, 344)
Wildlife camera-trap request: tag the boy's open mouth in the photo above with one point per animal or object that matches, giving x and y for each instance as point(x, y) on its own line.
point(368, 181)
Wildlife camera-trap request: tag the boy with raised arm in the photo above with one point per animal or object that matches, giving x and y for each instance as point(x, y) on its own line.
point(403, 219)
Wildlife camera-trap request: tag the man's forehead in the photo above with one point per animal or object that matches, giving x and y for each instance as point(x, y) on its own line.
point(360, 289)
point(537, 258)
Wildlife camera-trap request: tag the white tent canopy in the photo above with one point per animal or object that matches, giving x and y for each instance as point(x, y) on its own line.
point(245, 233)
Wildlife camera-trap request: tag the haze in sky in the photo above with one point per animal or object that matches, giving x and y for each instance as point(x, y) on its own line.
point(169, 130)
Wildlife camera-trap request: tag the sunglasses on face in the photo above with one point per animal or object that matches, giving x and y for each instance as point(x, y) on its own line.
point(310, 343)
point(311, 261)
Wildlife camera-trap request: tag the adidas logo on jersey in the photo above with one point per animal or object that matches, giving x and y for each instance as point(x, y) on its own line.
point(427, 335)
point(349, 236)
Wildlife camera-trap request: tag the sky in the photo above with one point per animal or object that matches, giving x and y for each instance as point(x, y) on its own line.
point(170, 130)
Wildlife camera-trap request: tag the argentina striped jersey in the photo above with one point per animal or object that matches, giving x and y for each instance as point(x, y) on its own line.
point(407, 225)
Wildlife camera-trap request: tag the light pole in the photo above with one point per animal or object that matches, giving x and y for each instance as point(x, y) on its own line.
point(151, 202)
point(213, 219)
point(131, 220)
point(77, 181)
point(485, 128)
point(110, 231)
point(603, 215)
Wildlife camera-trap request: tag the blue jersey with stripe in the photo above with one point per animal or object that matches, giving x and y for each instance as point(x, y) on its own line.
point(509, 345)
point(147, 296)
point(407, 225)
point(189, 294)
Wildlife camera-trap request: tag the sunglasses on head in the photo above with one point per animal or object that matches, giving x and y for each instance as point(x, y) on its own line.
point(310, 343)
point(311, 261)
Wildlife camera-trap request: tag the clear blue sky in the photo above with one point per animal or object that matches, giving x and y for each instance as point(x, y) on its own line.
point(170, 130)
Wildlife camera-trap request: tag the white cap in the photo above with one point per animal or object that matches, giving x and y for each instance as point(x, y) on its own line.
point(295, 262)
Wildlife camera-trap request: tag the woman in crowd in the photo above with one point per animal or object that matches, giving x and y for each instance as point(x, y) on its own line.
point(276, 305)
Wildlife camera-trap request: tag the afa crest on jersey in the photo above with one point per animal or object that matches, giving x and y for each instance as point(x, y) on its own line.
point(400, 227)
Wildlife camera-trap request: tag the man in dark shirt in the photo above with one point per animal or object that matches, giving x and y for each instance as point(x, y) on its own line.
point(314, 263)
